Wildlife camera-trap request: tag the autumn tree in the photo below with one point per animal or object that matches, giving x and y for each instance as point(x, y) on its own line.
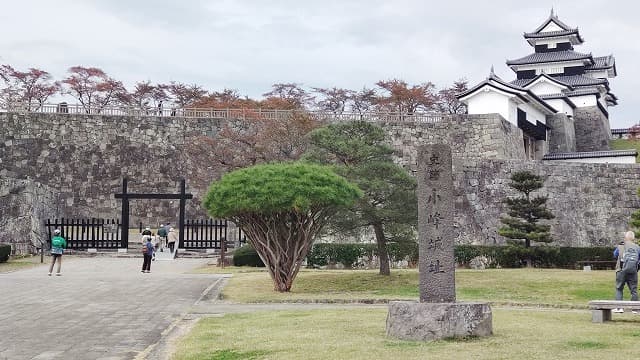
point(144, 96)
point(30, 88)
point(288, 96)
point(184, 95)
point(363, 100)
point(256, 139)
point(334, 99)
point(398, 96)
point(93, 88)
point(447, 98)
point(281, 208)
point(359, 152)
point(226, 99)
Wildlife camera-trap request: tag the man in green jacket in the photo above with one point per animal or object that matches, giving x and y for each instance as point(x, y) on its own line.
point(58, 244)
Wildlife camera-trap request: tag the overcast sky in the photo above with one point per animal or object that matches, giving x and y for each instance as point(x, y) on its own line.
point(249, 45)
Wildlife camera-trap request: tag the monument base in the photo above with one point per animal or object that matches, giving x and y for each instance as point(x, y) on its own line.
point(412, 320)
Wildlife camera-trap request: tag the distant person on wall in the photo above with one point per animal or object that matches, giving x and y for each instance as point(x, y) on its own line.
point(172, 239)
point(58, 244)
point(627, 254)
point(160, 108)
point(147, 253)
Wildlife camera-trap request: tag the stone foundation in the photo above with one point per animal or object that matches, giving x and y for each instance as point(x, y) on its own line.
point(411, 320)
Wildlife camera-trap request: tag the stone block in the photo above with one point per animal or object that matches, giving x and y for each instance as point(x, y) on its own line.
point(412, 320)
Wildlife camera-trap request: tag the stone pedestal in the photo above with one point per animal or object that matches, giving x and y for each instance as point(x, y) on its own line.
point(412, 320)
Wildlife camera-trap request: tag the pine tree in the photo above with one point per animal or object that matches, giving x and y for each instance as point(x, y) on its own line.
point(524, 212)
point(635, 221)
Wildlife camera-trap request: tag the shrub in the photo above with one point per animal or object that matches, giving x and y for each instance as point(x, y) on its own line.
point(542, 256)
point(5, 251)
point(347, 254)
point(503, 256)
point(247, 256)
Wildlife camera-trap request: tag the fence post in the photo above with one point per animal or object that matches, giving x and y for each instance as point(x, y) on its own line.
point(183, 191)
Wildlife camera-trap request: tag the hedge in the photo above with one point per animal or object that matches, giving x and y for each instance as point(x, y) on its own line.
point(347, 254)
point(504, 256)
point(247, 256)
point(5, 251)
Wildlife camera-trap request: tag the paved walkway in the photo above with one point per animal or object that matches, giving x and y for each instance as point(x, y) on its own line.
point(100, 308)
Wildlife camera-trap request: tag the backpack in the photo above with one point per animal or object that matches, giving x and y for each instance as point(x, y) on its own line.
point(56, 242)
point(145, 249)
point(630, 258)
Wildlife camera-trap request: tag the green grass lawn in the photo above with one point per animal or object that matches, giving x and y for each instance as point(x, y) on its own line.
point(547, 287)
point(360, 334)
point(622, 144)
point(21, 263)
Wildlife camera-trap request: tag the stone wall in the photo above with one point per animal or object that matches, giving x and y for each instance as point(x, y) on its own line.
point(592, 202)
point(561, 137)
point(84, 158)
point(24, 207)
point(470, 136)
point(80, 160)
point(591, 129)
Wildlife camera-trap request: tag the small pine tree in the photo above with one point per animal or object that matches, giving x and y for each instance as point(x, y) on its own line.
point(635, 221)
point(524, 212)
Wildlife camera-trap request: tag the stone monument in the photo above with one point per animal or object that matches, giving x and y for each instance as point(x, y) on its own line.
point(437, 315)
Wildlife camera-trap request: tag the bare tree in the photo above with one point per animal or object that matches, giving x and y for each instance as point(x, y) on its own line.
point(291, 95)
point(334, 99)
point(363, 100)
point(184, 95)
point(447, 100)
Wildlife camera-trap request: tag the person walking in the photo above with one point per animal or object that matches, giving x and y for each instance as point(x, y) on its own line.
point(172, 239)
point(147, 253)
point(627, 254)
point(58, 244)
point(162, 233)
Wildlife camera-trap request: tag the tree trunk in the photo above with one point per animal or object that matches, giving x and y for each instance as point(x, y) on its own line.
point(282, 240)
point(383, 254)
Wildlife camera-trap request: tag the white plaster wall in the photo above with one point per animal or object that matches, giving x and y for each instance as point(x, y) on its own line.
point(584, 100)
point(545, 87)
point(561, 106)
point(551, 26)
point(543, 66)
point(602, 160)
point(600, 74)
point(533, 114)
point(490, 102)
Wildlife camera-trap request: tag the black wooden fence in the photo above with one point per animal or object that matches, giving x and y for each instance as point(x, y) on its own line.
point(82, 234)
point(204, 234)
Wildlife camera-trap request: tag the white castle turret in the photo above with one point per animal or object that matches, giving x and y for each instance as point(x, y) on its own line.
point(560, 97)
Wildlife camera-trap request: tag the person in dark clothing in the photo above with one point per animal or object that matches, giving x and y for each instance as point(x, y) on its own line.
point(628, 255)
point(147, 253)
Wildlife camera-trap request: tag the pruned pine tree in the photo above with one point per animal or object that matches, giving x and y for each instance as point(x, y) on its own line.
point(281, 207)
point(521, 226)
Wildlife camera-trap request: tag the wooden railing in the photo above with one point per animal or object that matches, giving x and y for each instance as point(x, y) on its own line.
point(211, 113)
